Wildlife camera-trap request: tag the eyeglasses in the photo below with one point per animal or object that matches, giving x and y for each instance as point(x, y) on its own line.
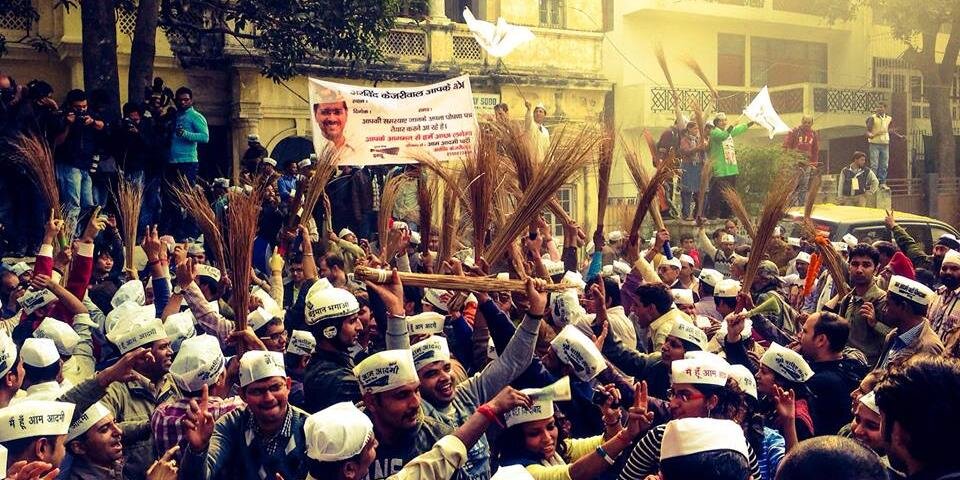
point(684, 395)
point(276, 336)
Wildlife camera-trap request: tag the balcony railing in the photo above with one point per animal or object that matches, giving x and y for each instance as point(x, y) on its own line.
point(797, 98)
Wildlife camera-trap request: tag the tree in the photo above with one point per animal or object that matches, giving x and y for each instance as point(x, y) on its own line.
point(917, 24)
point(283, 37)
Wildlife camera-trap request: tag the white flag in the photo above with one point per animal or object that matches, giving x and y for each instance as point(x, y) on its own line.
point(500, 39)
point(761, 111)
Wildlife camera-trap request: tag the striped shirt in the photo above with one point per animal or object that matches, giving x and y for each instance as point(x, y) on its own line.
point(774, 448)
point(166, 422)
point(645, 458)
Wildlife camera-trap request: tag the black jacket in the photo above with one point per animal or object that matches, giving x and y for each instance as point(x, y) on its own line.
point(831, 385)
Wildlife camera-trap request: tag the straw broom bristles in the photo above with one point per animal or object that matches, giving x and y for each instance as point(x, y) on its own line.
point(834, 263)
point(774, 207)
point(665, 170)
point(479, 175)
point(604, 167)
point(129, 198)
point(662, 60)
point(567, 154)
point(243, 215)
point(690, 62)
point(811, 199)
point(426, 195)
point(449, 227)
point(453, 282)
point(195, 204)
point(316, 186)
point(736, 204)
point(387, 200)
point(34, 155)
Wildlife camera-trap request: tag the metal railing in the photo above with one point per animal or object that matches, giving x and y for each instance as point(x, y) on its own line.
point(796, 98)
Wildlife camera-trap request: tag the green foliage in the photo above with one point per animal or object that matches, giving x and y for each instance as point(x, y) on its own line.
point(906, 18)
point(284, 36)
point(760, 167)
point(22, 9)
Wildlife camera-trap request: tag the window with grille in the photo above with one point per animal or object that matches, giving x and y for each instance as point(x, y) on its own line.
point(551, 13)
point(467, 49)
point(882, 81)
point(13, 21)
point(731, 60)
point(916, 88)
point(776, 62)
point(566, 198)
point(405, 44)
point(126, 21)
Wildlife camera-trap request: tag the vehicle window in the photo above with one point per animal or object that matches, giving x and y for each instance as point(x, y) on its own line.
point(830, 228)
point(872, 233)
point(936, 231)
point(920, 233)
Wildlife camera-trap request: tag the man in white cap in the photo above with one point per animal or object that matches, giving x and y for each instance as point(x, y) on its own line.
point(669, 271)
point(708, 280)
point(905, 310)
point(779, 324)
point(914, 251)
point(330, 112)
point(199, 371)
point(95, 442)
point(35, 430)
point(613, 250)
point(11, 369)
point(704, 448)
point(133, 402)
point(341, 443)
point(43, 370)
point(263, 440)
point(391, 396)
point(687, 279)
point(944, 314)
point(683, 299)
point(722, 256)
point(297, 356)
point(332, 317)
point(538, 133)
point(574, 354)
point(450, 403)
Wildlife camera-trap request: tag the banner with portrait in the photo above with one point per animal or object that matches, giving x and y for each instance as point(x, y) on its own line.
point(377, 126)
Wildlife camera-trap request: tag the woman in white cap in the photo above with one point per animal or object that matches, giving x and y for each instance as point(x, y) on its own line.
point(768, 444)
point(701, 388)
point(784, 395)
point(532, 439)
point(867, 428)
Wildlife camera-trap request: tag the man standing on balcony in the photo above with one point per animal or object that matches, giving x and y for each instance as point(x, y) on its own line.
point(804, 140)
point(723, 153)
point(878, 136)
point(539, 135)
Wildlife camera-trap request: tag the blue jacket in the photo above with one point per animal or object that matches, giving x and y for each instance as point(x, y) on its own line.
point(183, 148)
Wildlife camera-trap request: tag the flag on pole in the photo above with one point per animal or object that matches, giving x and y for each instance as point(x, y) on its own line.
point(497, 39)
point(761, 111)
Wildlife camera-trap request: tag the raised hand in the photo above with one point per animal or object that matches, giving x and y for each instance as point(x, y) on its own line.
point(40, 281)
point(508, 399)
point(198, 424)
point(889, 221)
point(152, 245)
point(869, 313)
point(537, 296)
point(245, 340)
point(639, 419)
point(391, 293)
point(94, 226)
point(735, 325)
point(276, 261)
point(786, 405)
point(166, 467)
point(51, 229)
point(32, 471)
point(186, 273)
point(123, 369)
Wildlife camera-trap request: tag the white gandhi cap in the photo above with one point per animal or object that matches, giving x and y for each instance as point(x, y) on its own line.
point(39, 352)
point(787, 363)
point(386, 370)
point(258, 365)
point(338, 432)
point(688, 436)
point(301, 343)
point(199, 362)
point(62, 335)
point(432, 349)
point(34, 418)
point(91, 417)
point(580, 353)
point(910, 289)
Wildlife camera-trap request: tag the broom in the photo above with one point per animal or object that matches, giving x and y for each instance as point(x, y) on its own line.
point(316, 186)
point(450, 221)
point(478, 177)
point(567, 154)
point(388, 198)
point(129, 198)
point(665, 170)
point(604, 166)
point(774, 207)
point(243, 216)
point(736, 204)
point(426, 195)
point(662, 60)
point(33, 154)
point(452, 282)
point(811, 196)
point(690, 62)
point(195, 204)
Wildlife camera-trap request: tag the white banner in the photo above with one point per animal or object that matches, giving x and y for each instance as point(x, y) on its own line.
point(761, 111)
point(376, 126)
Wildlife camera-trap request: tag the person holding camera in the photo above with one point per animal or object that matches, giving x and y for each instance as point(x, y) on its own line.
point(76, 153)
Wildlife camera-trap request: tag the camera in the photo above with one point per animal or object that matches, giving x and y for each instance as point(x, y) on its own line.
point(600, 397)
point(128, 124)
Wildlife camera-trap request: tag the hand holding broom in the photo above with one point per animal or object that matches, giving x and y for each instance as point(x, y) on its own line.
point(391, 293)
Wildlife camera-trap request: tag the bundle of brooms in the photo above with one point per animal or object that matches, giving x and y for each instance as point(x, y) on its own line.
point(33, 154)
point(568, 153)
point(733, 199)
point(129, 198)
point(195, 203)
point(604, 167)
point(388, 198)
point(774, 206)
point(452, 282)
point(243, 216)
point(316, 186)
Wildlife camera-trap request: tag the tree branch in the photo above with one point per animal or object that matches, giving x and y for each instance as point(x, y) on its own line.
point(950, 53)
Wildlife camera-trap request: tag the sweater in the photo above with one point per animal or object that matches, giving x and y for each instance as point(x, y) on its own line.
point(719, 141)
point(183, 147)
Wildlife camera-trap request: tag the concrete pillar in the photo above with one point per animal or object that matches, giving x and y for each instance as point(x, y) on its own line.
point(438, 11)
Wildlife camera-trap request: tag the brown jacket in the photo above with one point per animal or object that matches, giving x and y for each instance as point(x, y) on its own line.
point(927, 342)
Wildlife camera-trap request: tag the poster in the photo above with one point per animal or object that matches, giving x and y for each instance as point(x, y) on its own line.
point(376, 126)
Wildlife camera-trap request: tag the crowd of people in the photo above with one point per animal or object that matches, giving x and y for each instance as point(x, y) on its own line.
point(650, 362)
